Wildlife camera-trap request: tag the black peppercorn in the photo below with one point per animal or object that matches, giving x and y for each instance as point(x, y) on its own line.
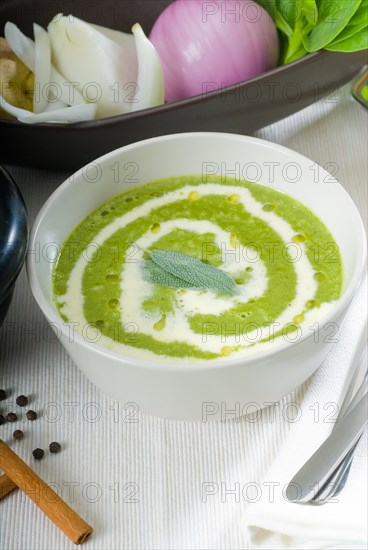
point(22, 401)
point(38, 453)
point(2, 395)
point(18, 435)
point(31, 415)
point(54, 447)
point(2, 420)
point(11, 417)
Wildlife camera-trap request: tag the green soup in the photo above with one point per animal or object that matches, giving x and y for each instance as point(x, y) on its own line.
point(284, 261)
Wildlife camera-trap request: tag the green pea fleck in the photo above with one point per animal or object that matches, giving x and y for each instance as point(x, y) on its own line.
point(160, 325)
point(320, 277)
point(233, 198)
point(298, 319)
point(298, 239)
point(112, 278)
point(155, 228)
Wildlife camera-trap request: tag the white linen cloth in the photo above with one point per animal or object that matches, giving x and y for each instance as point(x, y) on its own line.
point(273, 522)
point(143, 482)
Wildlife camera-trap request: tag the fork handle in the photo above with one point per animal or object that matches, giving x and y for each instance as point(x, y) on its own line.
point(337, 480)
point(328, 456)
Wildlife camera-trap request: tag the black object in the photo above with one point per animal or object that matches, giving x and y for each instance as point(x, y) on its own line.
point(38, 454)
point(31, 415)
point(18, 435)
point(55, 447)
point(13, 238)
point(242, 108)
point(2, 395)
point(11, 417)
point(22, 401)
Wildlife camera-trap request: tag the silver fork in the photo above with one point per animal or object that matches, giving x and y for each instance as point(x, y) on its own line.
point(334, 478)
point(338, 478)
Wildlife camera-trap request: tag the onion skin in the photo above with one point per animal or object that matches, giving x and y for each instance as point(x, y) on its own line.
point(205, 46)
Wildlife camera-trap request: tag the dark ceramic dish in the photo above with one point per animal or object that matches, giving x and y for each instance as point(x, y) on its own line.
point(13, 238)
point(242, 108)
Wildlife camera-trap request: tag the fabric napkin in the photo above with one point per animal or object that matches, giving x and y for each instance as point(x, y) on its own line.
point(273, 522)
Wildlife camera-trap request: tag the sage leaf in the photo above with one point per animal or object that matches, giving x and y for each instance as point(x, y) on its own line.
point(194, 272)
point(156, 274)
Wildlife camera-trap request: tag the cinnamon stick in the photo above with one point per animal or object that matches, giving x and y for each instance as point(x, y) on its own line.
point(43, 496)
point(6, 486)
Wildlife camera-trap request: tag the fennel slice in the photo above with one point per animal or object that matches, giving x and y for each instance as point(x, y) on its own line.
point(76, 113)
point(24, 48)
point(54, 106)
point(85, 55)
point(150, 84)
point(13, 111)
point(42, 68)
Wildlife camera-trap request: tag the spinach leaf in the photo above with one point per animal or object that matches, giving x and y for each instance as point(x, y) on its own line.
point(281, 24)
point(306, 15)
point(358, 22)
point(296, 48)
point(355, 43)
point(307, 26)
point(293, 10)
point(294, 52)
point(333, 16)
point(309, 10)
point(288, 10)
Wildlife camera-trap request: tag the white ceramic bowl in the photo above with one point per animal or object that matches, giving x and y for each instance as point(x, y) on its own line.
point(202, 391)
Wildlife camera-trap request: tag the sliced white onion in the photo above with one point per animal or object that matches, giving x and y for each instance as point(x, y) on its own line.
point(77, 113)
point(101, 66)
point(42, 68)
point(150, 86)
point(24, 48)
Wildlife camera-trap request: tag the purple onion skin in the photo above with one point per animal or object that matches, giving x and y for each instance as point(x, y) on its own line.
point(204, 46)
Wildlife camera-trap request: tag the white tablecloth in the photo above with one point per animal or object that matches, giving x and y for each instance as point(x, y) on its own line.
point(140, 481)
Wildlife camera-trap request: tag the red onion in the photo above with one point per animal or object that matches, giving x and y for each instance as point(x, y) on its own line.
point(206, 45)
